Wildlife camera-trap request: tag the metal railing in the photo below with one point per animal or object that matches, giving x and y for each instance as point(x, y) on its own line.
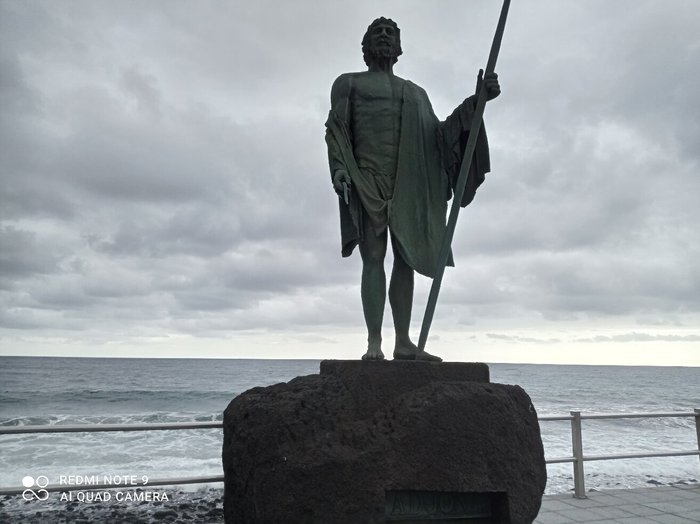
point(575, 417)
point(96, 428)
point(578, 458)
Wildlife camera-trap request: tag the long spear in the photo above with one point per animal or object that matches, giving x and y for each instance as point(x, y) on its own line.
point(462, 181)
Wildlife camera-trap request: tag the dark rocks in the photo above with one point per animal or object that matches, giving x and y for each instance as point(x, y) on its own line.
point(336, 447)
point(183, 507)
point(164, 514)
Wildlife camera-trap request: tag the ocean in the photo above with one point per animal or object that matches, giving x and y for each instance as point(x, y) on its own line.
point(114, 391)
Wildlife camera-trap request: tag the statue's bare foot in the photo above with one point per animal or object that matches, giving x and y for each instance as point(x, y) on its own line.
point(409, 351)
point(374, 352)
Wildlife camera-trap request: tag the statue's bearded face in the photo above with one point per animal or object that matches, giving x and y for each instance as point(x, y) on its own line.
point(382, 40)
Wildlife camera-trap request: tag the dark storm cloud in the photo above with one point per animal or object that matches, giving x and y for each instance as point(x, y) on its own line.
point(162, 164)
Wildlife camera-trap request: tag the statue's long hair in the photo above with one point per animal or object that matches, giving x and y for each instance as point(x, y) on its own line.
point(366, 53)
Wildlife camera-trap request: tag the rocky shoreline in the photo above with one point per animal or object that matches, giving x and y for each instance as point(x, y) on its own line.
point(163, 505)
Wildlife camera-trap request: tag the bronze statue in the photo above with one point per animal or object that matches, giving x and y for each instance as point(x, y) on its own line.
point(393, 165)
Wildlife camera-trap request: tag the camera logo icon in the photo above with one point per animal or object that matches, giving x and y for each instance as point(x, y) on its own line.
point(40, 483)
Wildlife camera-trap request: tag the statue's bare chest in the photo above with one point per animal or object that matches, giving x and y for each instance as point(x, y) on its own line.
point(376, 96)
point(370, 87)
point(376, 100)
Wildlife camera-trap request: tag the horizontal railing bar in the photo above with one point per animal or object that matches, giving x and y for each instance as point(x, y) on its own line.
point(637, 415)
point(90, 428)
point(559, 460)
point(89, 487)
point(642, 455)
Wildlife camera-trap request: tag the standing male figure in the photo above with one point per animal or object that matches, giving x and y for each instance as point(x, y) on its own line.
point(393, 164)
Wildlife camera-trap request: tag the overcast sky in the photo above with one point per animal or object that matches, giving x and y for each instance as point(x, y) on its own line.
point(164, 187)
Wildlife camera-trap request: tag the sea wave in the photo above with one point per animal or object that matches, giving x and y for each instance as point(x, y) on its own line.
point(126, 418)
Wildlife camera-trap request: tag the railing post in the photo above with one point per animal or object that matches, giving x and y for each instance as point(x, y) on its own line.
point(697, 427)
point(577, 449)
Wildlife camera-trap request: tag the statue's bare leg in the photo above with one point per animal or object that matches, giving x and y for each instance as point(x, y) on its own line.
point(373, 291)
point(401, 301)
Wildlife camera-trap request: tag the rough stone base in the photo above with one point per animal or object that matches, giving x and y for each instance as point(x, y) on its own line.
point(366, 442)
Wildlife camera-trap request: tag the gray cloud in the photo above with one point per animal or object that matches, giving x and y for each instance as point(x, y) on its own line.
point(22, 255)
point(163, 170)
point(642, 337)
point(516, 339)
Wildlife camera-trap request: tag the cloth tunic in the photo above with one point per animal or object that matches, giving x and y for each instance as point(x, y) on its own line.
point(429, 158)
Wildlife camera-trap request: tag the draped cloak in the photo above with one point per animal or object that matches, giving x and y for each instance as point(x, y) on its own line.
point(429, 158)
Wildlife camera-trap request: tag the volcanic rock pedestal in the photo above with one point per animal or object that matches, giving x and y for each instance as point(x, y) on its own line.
point(395, 441)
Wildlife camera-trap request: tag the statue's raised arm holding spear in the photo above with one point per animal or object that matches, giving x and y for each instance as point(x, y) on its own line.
point(394, 165)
